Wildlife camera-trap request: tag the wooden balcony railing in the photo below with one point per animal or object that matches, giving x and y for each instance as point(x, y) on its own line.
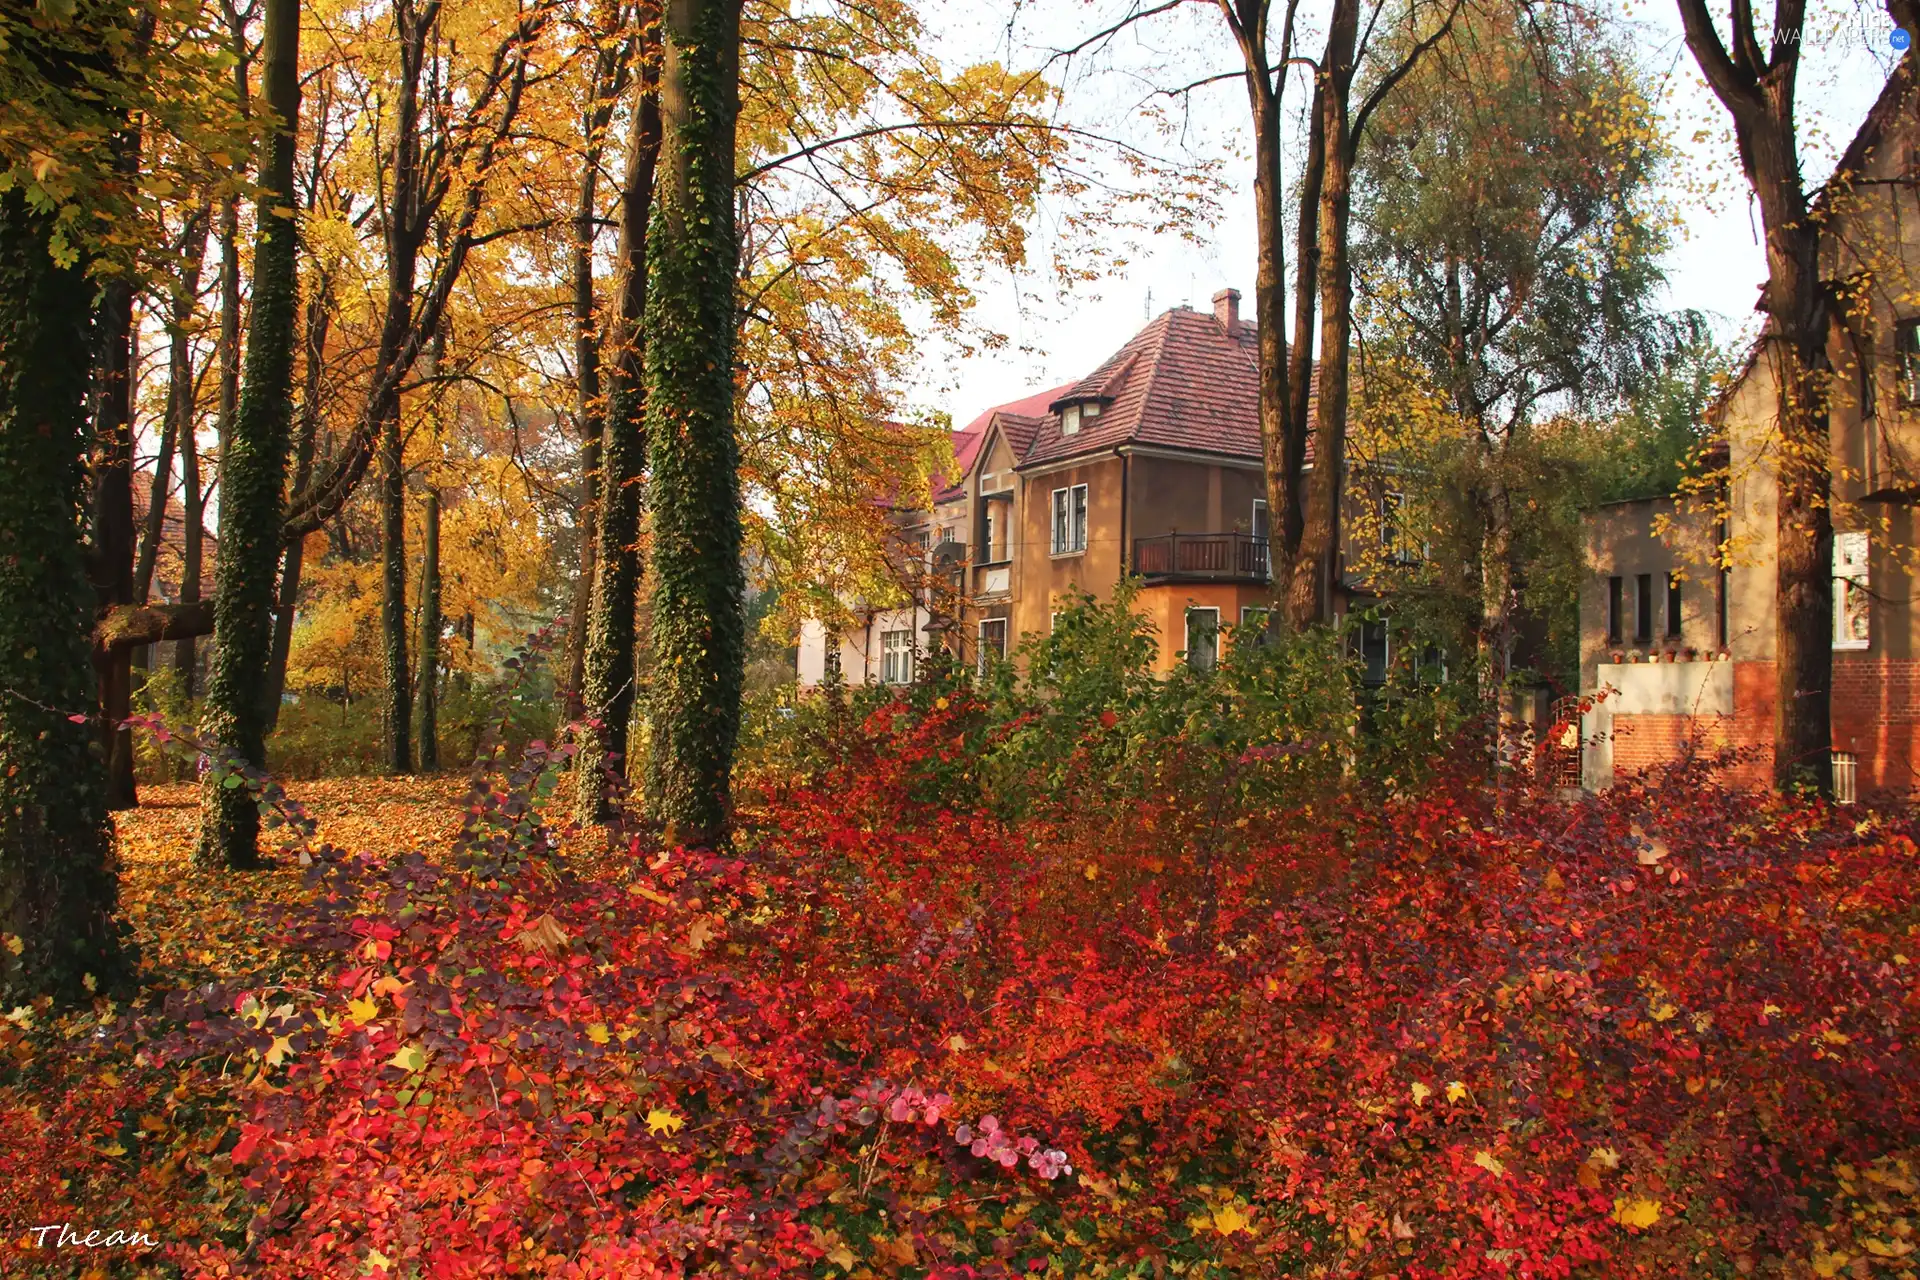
point(1225, 557)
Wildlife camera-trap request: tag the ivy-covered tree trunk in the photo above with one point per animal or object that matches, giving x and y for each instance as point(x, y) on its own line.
point(57, 885)
point(253, 469)
point(589, 410)
point(607, 690)
point(430, 636)
point(393, 599)
point(699, 630)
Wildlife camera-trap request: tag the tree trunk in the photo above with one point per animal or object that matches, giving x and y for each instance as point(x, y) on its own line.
point(589, 411)
point(1281, 452)
point(193, 494)
point(113, 533)
point(393, 598)
point(699, 631)
point(253, 471)
point(293, 559)
point(607, 683)
point(430, 637)
point(1308, 596)
point(57, 886)
point(1757, 86)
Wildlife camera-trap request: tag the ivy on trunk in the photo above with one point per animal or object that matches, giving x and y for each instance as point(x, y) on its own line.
point(698, 625)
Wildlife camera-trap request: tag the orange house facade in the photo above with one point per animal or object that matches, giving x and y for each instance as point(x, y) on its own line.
point(1149, 465)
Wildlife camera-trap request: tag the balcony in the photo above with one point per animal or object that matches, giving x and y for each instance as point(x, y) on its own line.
point(1201, 557)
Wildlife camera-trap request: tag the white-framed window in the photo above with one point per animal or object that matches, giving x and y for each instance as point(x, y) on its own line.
point(993, 643)
point(1070, 420)
point(1069, 520)
point(896, 657)
point(1203, 637)
point(1852, 596)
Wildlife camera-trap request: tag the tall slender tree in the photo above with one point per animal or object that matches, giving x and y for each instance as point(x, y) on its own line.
point(606, 81)
point(253, 468)
point(699, 629)
point(112, 551)
point(607, 692)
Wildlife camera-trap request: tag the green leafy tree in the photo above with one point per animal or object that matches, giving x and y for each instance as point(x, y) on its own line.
point(1507, 246)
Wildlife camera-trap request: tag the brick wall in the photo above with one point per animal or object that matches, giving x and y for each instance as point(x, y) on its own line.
point(1876, 715)
point(1640, 742)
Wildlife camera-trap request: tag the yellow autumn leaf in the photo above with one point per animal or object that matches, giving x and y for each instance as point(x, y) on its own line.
point(1491, 1163)
point(363, 1011)
point(841, 1256)
point(1420, 1093)
point(1092, 872)
point(278, 1051)
point(1636, 1211)
point(1456, 1090)
point(661, 1121)
point(410, 1058)
point(376, 1261)
point(1830, 1264)
point(651, 895)
point(1605, 1156)
point(598, 1033)
point(1228, 1219)
point(14, 944)
point(939, 704)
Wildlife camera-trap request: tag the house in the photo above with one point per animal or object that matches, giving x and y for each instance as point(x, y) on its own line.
point(1677, 610)
point(1150, 464)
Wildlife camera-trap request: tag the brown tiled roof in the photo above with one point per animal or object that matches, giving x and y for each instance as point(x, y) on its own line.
point(1019, 420)
point(1020, 429)
point(1183, 382)
point(169, 562)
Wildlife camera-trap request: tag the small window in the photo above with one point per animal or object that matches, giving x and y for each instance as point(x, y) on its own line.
point(1852, 596)
point(1673, 606)
point(1373, 653)
point(1203, 638)
point(993, 643)
point(1393, 541)
point(1643, 609)
point(1070, 420)
point(1090, 410)
point(896, 657)
point(1616, 603)
point(1253, 626)
point(1906, 341)
point(1262, 531)
point(1069, 520)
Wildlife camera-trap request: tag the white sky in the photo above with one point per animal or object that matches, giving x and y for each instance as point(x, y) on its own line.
point(1715, 264)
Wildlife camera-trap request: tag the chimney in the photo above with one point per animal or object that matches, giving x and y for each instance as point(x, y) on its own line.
point(1226, 309)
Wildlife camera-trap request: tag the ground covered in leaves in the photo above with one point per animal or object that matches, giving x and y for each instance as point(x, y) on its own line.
point(1276, 1028)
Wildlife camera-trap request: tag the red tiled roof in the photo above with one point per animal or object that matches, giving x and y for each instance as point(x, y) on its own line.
point(1183, 382)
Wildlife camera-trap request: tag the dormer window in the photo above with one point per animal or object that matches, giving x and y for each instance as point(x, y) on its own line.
point(1074, 416)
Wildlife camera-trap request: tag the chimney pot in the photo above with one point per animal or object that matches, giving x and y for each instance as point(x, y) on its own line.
point(1226, 309)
